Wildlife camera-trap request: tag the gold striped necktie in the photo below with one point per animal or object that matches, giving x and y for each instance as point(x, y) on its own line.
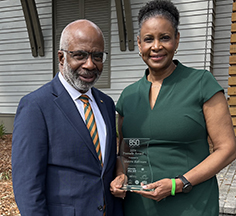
point(91, 125)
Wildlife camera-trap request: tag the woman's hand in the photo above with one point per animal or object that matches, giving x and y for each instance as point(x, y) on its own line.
point(115, 186)
point(162, 189)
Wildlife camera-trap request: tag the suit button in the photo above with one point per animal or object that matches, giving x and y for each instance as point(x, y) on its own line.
point(100, 208)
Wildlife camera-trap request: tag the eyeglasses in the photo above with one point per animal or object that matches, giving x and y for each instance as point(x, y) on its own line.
point(82, 56)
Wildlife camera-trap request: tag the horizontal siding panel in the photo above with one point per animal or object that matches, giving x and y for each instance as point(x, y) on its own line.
point(193, 26)
point(193, 32)
point(129, 74)
point(221, 47)
point(22, 90)
point(126, 67)
point(8, 4)
point(192, 47)
point(23, 55)
point(12, 26)
point(9, 109)
point(191, 6)
point(10, 99)
point(191, 20)
point(22, 78)
point(8, 15)
point(224, 2)
point(223, 34)
point(224, 8)
point(222, 43)
point(191, 58)
point(126, 62)
point(218, 72)
point(14, 35)
point(20, 72)
point(122, 85)
point(221, 60)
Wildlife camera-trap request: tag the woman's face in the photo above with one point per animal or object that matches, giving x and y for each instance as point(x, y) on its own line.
point(157, 43)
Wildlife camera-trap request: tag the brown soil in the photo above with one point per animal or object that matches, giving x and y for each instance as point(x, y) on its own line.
point(7, 201)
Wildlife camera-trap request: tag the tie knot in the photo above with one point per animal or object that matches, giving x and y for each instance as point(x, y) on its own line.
point(84, 98)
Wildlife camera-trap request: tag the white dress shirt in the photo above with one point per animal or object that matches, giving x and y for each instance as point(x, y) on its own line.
point(101, 126)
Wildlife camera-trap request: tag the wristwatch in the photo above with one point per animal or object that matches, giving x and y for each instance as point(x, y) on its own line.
point(187, 185)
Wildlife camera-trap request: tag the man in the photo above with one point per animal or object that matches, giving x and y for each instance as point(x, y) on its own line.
point(55, 166)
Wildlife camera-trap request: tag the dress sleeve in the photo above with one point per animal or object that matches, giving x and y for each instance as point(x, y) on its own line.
point(209, 86)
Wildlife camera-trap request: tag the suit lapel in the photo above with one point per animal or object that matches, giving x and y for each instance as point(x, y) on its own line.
point(69, 109)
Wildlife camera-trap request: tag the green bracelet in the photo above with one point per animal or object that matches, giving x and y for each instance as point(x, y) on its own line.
point(173, 187)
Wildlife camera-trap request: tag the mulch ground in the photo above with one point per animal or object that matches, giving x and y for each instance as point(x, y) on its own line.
point(7, 201)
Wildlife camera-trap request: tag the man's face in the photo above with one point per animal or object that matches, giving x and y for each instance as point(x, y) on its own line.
point(82, 73)
point(81, 79)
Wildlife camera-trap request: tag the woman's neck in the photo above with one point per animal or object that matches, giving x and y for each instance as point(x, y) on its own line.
point(159, 76)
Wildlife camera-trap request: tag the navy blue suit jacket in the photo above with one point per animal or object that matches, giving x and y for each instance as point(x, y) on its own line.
point(55, 168)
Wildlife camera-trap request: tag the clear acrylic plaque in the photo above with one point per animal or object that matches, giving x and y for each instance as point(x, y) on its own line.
point(136, 163)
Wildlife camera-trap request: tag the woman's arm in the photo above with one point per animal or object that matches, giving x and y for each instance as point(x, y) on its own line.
point(220, 130)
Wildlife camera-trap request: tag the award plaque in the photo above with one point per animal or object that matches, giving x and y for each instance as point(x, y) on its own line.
point(135, 162)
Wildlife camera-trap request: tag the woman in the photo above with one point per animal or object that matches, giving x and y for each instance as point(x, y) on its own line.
point(177, 107)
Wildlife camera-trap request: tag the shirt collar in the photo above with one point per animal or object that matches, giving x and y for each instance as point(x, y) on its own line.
point(75, 94)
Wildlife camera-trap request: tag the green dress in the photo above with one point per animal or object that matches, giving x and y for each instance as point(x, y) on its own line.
point(178, 139)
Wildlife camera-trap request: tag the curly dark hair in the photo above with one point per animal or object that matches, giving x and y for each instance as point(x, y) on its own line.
point(163, 8)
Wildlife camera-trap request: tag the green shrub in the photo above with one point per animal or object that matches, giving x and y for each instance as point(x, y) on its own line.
point(2, 131)
point(5, 176)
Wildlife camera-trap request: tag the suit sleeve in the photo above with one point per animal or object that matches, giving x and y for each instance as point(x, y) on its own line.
point(29, 158)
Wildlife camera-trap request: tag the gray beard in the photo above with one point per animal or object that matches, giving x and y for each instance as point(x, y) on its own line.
point(72, 77)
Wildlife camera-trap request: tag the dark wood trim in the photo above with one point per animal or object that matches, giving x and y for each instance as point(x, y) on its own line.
point(29, 27)
point(121, 24)
point(129, 25)
point(33, 27)
point(36, 27)
point(54, 47)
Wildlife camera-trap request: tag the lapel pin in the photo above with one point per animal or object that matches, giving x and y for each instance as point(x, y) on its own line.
point(101, 101)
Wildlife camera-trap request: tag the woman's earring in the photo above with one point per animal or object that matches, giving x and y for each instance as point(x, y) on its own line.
point(139, 53)
point(176, 51)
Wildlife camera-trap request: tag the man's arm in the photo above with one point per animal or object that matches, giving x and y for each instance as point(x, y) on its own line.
point(29, 158)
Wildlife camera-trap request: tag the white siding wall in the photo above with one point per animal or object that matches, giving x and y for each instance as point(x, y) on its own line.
point(196, 23)
point(20, 72)
point(196, 41)
point(126, 67)
point(222, 41)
